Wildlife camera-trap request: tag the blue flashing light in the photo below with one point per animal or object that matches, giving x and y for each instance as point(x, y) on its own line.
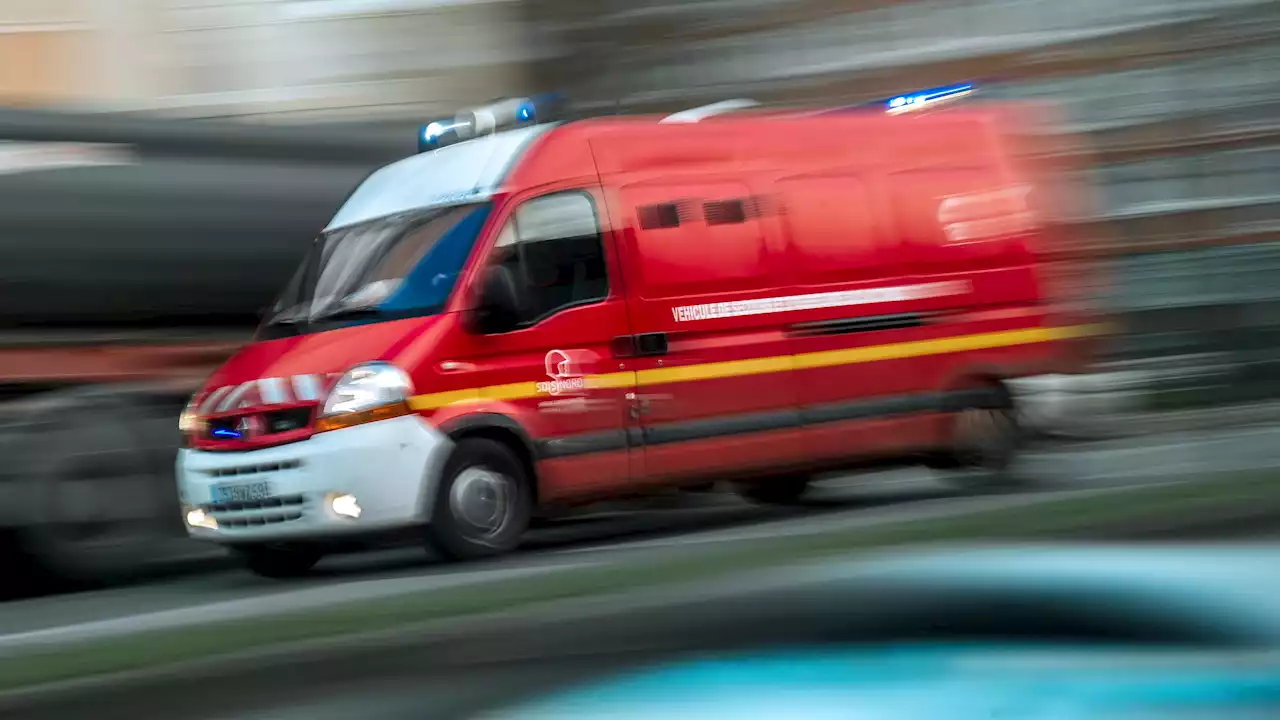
point(924, 98)
point(226, 433)
point(503, 114)
point(432, 135)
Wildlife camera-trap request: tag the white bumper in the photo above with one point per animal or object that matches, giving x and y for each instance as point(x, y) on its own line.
point(390, 466)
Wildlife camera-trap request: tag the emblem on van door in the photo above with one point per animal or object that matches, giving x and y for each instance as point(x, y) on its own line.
point(565, 372)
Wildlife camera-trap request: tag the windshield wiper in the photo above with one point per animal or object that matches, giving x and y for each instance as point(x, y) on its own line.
point(280, 327)
point(353, 313)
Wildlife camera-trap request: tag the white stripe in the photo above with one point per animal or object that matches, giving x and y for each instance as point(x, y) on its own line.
point(211, 403)
point(818, 301)
point(273, 391)
point(234, 398)
point(306, 388)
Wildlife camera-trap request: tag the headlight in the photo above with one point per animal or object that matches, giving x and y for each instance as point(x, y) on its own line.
point(376, 391)
point(189, 422)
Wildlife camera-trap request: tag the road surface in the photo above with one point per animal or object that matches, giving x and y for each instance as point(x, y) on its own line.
point(849, 501)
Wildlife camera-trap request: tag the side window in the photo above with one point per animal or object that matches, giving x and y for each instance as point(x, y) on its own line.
point(552, 246)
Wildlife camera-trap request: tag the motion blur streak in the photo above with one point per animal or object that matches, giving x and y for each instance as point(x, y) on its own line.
point(167, 165)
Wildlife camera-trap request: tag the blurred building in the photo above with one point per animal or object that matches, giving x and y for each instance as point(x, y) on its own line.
point(1179, 98)
point(283, 59)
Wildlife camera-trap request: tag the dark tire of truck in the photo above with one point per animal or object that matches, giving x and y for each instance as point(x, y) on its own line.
point(90, 486)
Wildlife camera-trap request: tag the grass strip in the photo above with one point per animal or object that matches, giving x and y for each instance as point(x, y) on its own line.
point(1220, 496)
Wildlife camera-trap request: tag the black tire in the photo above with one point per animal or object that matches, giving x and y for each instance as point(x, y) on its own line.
point(483, 503)
point(987, 440)
point(787, 490)
point(279, 562)
point(99, 502)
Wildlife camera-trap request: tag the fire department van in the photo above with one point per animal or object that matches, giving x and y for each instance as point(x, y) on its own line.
point(534, 314)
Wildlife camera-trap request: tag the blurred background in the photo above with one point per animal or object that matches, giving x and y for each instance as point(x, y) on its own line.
point(164, 164)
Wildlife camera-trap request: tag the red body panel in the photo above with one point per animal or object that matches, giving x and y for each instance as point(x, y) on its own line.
point(806, 273)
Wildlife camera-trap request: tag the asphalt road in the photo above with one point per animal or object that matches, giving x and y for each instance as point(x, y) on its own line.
point(606, 538)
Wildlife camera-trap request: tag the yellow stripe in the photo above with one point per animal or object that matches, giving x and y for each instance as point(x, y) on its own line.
point(611, 380)
point(778, 363)
point(514, 391)
point(940, 346)
point(710, 371)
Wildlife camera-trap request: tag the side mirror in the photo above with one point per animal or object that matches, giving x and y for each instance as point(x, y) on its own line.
point(497, 303)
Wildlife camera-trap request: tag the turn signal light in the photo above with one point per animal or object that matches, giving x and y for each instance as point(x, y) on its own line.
point(345, 420)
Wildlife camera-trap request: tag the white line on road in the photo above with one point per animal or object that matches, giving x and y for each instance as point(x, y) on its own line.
point(922, 510)
point(263, 605)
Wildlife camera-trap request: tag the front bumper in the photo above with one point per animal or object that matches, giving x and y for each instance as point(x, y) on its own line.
point(391, 467)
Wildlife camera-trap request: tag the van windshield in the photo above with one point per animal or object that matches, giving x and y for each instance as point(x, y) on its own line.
point(393, 267)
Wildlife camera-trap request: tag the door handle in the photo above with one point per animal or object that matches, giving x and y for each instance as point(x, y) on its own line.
point(643, 403)
point(642, 345)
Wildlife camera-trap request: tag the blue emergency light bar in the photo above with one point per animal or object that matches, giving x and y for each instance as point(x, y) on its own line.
point(910, 102)
point(495, 117)
point(926, 98)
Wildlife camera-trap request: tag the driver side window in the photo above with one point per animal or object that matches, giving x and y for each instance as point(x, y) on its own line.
point(553, 248)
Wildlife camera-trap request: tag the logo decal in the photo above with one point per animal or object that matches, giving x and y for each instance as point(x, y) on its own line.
point(565, 373)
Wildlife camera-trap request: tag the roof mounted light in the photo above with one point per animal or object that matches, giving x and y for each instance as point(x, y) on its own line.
point(927, 98)
point(497, 116)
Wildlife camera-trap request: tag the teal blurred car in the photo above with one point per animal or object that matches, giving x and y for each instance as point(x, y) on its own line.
point(931, 683)
point(1027, 633)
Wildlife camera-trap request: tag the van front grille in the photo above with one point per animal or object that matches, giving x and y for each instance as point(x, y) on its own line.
point(259, 468)
point(259, 520)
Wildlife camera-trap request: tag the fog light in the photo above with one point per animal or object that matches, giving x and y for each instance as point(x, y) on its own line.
point(198, 518)
point(344, 506)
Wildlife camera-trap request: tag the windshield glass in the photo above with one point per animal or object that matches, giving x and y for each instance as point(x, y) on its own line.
point(392, 267)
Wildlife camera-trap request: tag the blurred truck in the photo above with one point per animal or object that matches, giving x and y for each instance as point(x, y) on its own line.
point(135, 256)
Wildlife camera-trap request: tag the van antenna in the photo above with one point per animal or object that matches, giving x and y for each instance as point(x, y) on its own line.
point(693, 115)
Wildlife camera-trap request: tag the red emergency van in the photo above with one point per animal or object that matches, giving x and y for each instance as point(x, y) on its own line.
point(558, 313)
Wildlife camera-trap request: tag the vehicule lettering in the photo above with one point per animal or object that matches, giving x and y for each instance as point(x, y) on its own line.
point(817, 301)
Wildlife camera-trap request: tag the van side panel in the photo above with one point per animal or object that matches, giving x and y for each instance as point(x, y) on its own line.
point(535, 378)
point(923, 250)
point(721, 399)
point(805, 291)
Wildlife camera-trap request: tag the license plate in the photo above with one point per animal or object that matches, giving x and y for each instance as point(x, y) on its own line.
point(241, 492)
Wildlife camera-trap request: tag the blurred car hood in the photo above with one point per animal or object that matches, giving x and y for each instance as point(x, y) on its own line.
point(929, 682)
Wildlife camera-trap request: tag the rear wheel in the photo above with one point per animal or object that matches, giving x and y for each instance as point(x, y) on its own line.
point(483, 503)
point(985, 442)
point(279, 562)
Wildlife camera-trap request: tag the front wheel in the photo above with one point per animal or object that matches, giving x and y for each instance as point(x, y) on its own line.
point(279, 562)
point(483, 503)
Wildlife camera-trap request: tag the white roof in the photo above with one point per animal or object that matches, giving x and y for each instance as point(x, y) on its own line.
point(466, 172)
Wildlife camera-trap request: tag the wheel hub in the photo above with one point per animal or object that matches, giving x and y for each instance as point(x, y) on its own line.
point(482, 499)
